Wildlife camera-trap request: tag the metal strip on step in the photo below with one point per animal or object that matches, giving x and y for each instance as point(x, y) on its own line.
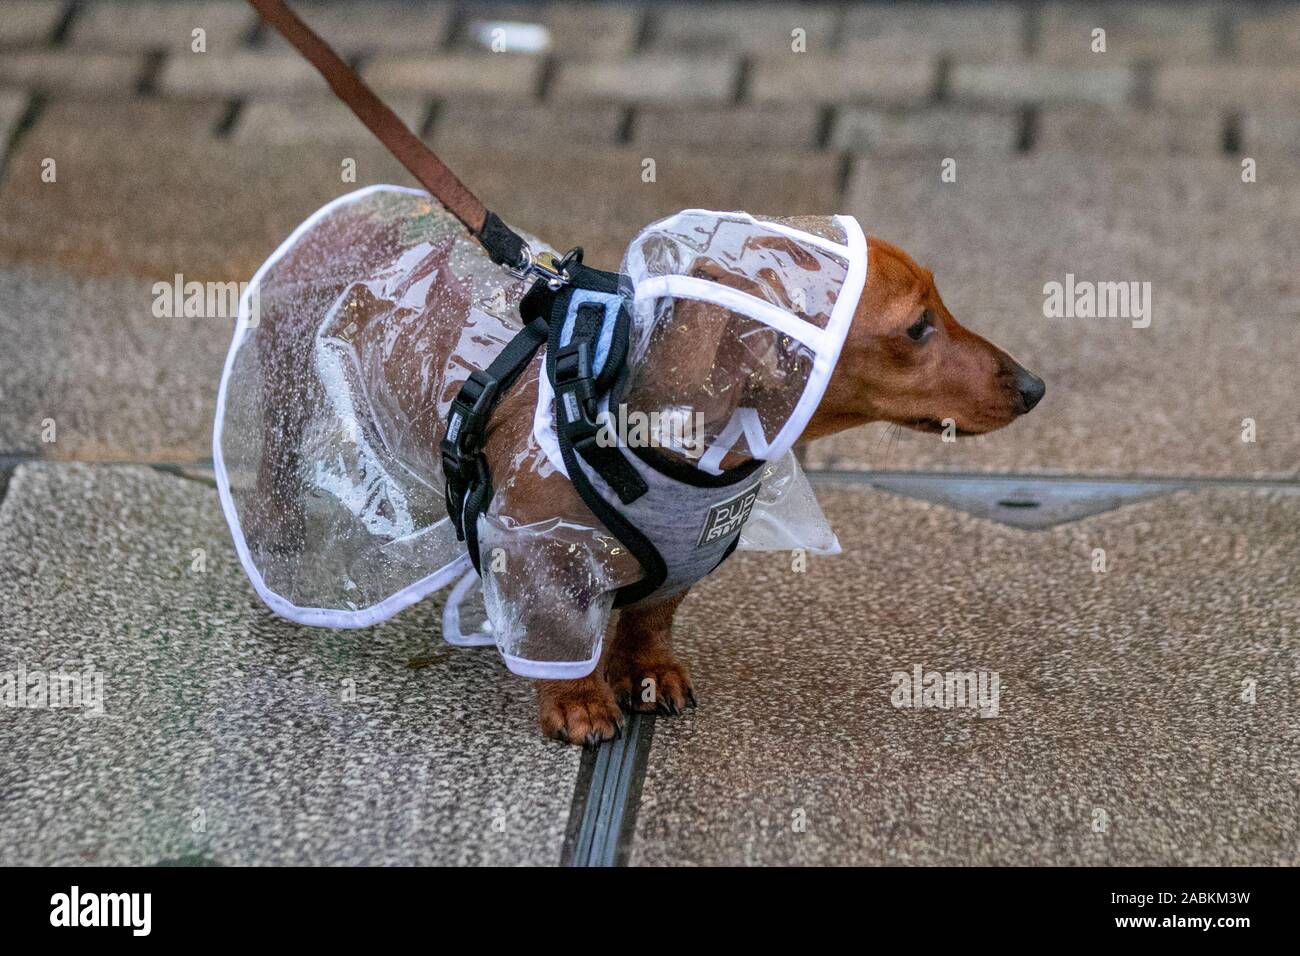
point(1032, 502)
point(602, 819)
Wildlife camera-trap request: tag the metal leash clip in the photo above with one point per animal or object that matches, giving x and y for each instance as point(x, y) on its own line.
point(544, 265)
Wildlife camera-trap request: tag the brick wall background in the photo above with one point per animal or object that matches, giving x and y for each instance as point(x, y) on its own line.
point(875, 77)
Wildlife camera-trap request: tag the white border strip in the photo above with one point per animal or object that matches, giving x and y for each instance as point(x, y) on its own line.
point(551, 670)
point(451, 632)
point(824, 362)
point(706, 290)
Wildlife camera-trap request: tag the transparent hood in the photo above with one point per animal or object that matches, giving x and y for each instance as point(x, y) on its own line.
point(738, 323)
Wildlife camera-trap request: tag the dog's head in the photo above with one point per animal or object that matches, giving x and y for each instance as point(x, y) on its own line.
point(906, 360)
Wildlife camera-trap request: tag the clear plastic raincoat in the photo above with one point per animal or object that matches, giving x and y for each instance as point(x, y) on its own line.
point(356, 335)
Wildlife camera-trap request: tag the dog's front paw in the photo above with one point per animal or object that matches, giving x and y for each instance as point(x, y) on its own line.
point(579, 711)
point(651, 683)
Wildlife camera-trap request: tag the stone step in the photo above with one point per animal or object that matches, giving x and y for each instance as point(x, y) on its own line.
point(1129, 731)
point(106, 378)
point(229, 736)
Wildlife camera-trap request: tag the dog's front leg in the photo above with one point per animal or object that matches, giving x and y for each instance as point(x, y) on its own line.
point(640, 665)
point(637, 669)
point(580, 711)
point(549, 596)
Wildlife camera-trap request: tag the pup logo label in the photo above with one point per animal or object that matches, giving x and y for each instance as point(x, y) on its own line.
point(727, 517)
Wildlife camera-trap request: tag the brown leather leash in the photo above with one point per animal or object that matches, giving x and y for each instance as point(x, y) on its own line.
point(503, 245)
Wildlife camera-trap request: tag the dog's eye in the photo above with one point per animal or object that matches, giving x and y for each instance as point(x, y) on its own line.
point(921, 327)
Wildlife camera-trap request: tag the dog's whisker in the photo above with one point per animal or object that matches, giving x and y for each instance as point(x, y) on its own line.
point(883, 440)
point(893, 433)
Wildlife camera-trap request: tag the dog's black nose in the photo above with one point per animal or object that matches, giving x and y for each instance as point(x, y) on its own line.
point(1031, 389)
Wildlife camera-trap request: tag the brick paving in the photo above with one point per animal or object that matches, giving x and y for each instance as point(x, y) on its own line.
point(767, 29)
point(474, 121)
point(170, 25)
point(939, 129)
point(30, 21)
point(769, 126)
point(1236, 86)
point(1104, 132)
point(984, 31)
point(1229, 67)
point(1171, 32)
point(71, 72)
point(386, 28)
point(13, 104)
point(581, 30)
point(1043, 83)
point(508, 76)
point(315, 118)
point(649, 77)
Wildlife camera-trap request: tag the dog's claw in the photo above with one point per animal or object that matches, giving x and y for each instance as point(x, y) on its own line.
point(673, 693)
point(583, 713)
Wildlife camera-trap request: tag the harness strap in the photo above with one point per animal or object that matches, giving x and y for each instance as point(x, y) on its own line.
point(577, 388)
point(467, 481)
point(570, 369)
point(503, 245)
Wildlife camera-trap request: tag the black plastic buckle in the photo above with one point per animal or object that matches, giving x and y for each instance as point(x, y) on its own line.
point(583, 437)
point(460, 473)
point(572, 363)
point(473, 404)
point(575, 392)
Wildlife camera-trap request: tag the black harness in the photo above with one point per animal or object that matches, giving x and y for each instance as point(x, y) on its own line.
point(580, 382)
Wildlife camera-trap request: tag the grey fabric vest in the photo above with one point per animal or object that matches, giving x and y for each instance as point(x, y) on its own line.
point(692, 526)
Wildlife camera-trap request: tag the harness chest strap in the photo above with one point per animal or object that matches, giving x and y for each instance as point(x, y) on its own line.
point(585, 371)
point(467, 481)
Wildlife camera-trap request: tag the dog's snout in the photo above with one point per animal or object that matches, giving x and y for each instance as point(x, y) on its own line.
point(1031, 389)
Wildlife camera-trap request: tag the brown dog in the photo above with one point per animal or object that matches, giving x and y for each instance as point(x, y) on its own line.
point(906, 360)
